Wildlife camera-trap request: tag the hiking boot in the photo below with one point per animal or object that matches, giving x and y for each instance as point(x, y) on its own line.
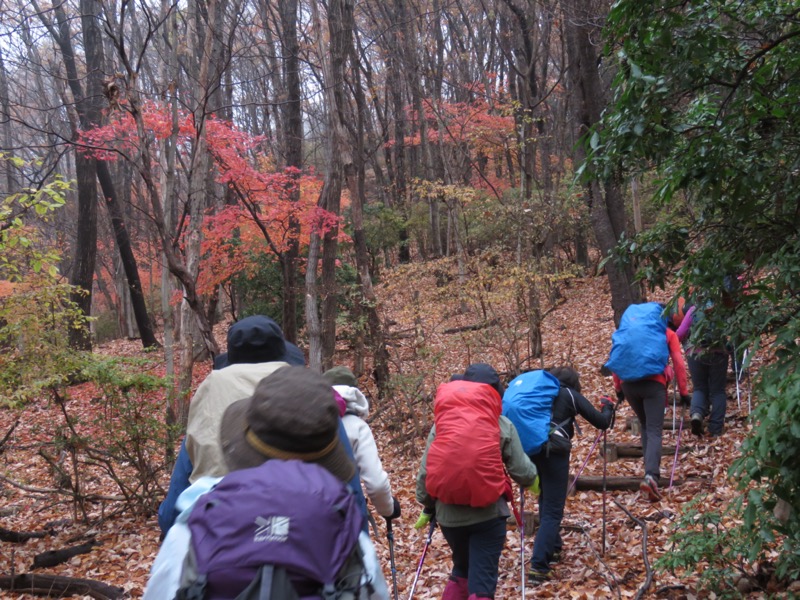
point(456, 589)
point(535, 576)
point(697, 424)
point(649, 486)
point(556, 556)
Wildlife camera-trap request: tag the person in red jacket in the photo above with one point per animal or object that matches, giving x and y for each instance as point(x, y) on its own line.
point(646, 397)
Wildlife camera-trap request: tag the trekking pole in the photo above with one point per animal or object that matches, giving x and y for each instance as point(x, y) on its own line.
point(422, 558)
point(522, 537)
point(586, 460)
point(736, 374)
point(390, 537)
point(746, 367)
point(677, 444)
point(605, 465)
point(749, 392)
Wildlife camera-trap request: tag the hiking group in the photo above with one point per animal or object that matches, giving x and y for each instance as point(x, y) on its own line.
point(266, 498)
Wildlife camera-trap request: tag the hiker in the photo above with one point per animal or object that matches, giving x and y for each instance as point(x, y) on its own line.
point(647, 394)
point(553, 468)
point(256, 349)
point(708, 368)
point(290, 419)
point(462, 481)
point(293, 356)
point(373, 475)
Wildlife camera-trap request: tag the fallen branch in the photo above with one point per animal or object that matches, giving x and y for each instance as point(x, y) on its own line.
point(34, 490)
point(8, 435)
point(28, 488)
point(648, 571)
point(670, 588)
point(51, 558)
point(56, 586)
point(633, 423)
point(16, 537)
point(473, 327)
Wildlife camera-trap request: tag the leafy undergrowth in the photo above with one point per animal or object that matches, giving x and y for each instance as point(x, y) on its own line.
point(576, 330)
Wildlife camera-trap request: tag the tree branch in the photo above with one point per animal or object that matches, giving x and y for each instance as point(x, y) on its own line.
point(648, 571)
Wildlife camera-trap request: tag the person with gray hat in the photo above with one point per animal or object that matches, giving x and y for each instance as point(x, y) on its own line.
point(290, 416)
point(374, 477)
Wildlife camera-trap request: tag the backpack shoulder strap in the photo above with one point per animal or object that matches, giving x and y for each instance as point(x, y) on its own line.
point(348, 584)
point(192, 583)
point(560, 426)
point(270, 584)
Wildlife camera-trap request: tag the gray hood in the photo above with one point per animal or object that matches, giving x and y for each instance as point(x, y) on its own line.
point(357, 403)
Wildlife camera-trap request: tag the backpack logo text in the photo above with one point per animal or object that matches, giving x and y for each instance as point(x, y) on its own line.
point(272, 529)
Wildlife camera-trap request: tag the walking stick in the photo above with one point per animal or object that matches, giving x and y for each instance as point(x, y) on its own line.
point(522, 537)
point(586, 460)
point(746, 367)
point(678, 442)
point(736, 374)
point(605, 465)
point(422, 558)
point(390, 537)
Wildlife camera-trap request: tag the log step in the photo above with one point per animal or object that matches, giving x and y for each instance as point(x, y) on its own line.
point(616, 451)
point(633, 424)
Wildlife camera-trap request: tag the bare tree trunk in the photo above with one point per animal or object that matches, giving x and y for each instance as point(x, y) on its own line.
point(177, 406)
point(355, 179)
point(313, 325)
point(605, 199)
point(293, 156)
point(12, 184)
point(88, 111)
point(400, 162)
point(127, 258)
point(339, 155)
point(144, 164)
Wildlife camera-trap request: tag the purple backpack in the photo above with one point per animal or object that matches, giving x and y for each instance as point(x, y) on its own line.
point(283, 530)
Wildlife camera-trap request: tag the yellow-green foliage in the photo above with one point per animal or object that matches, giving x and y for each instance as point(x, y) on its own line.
point(35, 310)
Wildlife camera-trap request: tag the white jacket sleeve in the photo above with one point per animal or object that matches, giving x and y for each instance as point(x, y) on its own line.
point(165, 573)
point(375, 479)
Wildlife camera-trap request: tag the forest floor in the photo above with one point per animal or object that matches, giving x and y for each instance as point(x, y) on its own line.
point(576, 330)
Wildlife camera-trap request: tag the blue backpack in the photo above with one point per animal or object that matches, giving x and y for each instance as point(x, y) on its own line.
point(528, 404)
point(285, 530)
point(639, 346)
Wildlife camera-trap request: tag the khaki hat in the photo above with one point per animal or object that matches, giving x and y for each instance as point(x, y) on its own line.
point(340, 376)
point(292, 414)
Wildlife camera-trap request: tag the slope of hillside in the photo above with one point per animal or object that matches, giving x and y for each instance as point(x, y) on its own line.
point(431, 337)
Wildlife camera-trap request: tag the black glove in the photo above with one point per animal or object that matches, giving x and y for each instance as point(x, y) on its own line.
point(606, 401)
point(620, 396)
point(395, 511)
point(686, 399)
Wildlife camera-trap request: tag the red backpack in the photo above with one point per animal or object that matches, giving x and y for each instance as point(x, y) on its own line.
point(465, 463)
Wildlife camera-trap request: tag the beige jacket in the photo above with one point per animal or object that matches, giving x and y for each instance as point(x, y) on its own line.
point(218, 391)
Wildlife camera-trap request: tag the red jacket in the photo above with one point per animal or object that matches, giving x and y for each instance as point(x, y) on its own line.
point(677, 365)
